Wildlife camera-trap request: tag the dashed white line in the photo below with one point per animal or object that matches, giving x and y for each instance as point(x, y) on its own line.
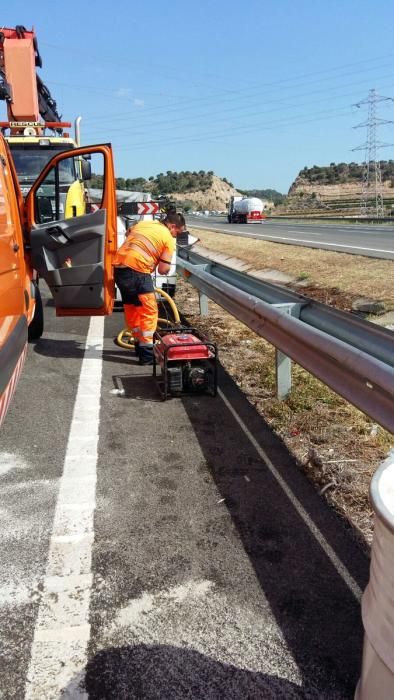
point(335, 561)
point(62, 631)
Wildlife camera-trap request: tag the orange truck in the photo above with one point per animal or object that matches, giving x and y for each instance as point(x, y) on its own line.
point(34, 129)
point(47, 228)
point(72, 253)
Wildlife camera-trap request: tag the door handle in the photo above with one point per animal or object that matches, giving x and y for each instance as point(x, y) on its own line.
point(15, 247)
point(57, 234)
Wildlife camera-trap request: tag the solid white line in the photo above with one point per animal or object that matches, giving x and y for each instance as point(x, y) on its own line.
point(335, 561)
point(270, 236)
point(309, 232)
point(62, 631)
point(323, 243)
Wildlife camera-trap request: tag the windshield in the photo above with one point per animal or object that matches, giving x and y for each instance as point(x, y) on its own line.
point(30, 160)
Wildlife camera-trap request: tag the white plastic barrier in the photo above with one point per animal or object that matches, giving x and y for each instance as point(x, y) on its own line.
point(377, 673)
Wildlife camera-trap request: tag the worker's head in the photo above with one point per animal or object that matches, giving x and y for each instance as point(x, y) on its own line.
point(175, 223)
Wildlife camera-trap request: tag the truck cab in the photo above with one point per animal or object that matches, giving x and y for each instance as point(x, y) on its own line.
point(71, 251)
point(30, 155)
point(231, 209)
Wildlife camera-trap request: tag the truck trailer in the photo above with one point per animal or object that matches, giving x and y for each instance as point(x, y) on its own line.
point(245, 210)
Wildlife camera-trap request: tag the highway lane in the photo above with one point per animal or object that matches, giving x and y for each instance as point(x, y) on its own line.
point(376, 241)
point(200, 561)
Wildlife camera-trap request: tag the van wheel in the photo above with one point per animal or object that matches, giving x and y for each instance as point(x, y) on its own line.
point(36, 327)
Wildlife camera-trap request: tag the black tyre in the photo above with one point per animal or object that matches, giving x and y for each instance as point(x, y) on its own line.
point(36, 327)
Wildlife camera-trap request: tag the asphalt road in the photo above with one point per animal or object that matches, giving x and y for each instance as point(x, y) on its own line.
point(162, 550)
point(374, 241)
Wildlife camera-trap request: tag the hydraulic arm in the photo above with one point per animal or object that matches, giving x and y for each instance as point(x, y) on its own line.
point(27, 98)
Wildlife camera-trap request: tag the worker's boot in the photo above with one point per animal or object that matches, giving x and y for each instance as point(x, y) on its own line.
point(145, 353)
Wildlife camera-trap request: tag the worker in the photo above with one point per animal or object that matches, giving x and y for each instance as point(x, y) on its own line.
point(149, 244)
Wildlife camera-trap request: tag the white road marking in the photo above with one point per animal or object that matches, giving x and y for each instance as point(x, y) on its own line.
point(62, 631)
point(332, 245)
point(308, 234)
point(270, 236)
point(328, 550)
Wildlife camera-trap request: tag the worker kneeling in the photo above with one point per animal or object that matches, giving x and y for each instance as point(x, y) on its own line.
point(149, 244)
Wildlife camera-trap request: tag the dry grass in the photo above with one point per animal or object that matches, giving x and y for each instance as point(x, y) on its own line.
point(336, 445)
point(355, 275)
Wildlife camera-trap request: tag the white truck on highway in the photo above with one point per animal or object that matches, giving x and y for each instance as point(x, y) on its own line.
point(245, 210)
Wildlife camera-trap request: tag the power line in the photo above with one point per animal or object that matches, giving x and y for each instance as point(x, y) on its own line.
point(372, 175)
point(274, 86)
point(331, 114)
point(160, 124)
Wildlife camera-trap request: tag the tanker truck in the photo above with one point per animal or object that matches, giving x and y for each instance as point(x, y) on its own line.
point(245, 210)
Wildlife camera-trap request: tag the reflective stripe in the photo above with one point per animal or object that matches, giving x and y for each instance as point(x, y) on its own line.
point(135, 237)
point(142, 245)
point(147, 334)
point(141, 251)
point(145, 344)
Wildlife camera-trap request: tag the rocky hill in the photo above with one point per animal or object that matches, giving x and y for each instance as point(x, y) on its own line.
point(193, 190)
point(335, 189)
point(214, 197)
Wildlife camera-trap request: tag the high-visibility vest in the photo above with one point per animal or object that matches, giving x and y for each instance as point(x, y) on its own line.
point(147, 243)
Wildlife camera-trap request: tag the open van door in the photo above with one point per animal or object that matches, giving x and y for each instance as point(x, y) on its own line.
point(73, 253)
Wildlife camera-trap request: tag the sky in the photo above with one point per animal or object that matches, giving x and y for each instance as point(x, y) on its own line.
point(253, 91)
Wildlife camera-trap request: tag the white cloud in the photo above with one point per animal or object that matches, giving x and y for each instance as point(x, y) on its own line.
point(123, 92)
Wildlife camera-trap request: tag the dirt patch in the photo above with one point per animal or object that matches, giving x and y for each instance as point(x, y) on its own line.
point(337, 446)
point(333, 296)
point(320, 271)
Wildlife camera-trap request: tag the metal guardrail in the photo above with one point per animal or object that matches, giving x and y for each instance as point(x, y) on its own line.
point(353, 357)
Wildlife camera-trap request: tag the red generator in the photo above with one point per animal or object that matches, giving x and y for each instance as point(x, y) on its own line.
point(187, 360)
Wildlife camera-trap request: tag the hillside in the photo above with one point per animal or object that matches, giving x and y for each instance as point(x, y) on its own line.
point(193, 190)
point(335, 188)
point(216, 196)
point(271, 195)
point(342, 173)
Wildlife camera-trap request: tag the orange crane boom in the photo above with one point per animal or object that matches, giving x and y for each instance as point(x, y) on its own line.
point(27, 98)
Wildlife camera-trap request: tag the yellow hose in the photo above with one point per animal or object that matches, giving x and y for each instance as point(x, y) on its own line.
point(125, 337)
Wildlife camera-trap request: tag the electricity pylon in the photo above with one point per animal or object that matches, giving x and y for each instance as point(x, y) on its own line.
point(372, 176)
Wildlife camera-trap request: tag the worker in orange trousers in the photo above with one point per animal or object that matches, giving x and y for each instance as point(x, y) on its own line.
point(148, 245)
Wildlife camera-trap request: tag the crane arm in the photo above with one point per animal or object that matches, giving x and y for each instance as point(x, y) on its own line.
point(27, 97)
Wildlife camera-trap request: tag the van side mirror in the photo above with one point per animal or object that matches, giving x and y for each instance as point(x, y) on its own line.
point(86, 170)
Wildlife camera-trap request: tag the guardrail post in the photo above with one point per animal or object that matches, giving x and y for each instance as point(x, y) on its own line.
point(282, 361)
point(203, 299)
point(377, 671)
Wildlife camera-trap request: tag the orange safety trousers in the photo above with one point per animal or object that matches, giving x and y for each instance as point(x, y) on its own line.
point(142, 320)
